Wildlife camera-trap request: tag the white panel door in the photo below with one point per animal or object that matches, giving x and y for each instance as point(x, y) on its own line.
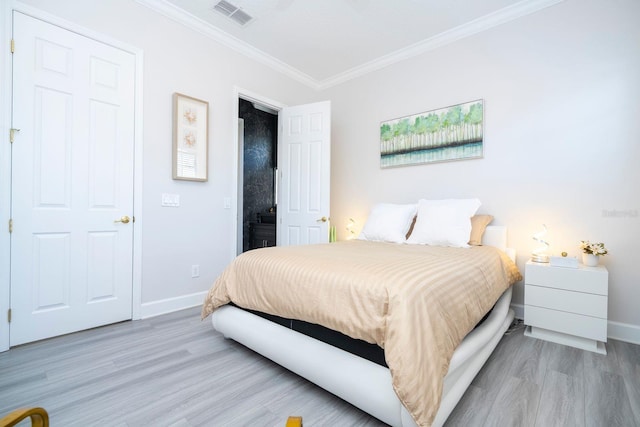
point(304, 162)
point(72, 178)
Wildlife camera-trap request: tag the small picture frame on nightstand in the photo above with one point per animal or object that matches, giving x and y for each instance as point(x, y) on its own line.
point(563, 261)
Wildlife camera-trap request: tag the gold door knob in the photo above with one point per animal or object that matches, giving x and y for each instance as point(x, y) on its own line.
point(125, 220)
point(323, 219)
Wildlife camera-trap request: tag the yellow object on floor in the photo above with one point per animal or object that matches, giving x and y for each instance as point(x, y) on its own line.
point(294, 422)
point(39, 417)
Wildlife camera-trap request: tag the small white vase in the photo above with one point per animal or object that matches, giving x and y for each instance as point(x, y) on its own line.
point(590, 260)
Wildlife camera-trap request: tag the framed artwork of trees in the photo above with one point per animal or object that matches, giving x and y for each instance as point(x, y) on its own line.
point(446, 134)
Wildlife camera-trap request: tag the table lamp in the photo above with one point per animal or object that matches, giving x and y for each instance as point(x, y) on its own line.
point(541, 254)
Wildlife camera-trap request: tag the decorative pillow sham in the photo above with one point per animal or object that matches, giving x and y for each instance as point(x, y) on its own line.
point(478, 225)
point(388, 223)
point(444, 222)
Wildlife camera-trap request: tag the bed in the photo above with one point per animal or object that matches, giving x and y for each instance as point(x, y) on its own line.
point(374, 388)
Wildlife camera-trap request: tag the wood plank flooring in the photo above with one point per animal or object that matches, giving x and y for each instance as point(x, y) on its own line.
point(175, 370)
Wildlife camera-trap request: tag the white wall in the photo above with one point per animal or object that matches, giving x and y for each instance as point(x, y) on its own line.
point(177, 59)
point(562, 143)
point(561, 96)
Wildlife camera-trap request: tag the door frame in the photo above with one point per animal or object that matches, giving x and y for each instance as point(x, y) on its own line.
point(6, 84)
point(237, 179)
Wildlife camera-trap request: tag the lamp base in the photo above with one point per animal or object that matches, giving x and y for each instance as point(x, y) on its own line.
point(541, 258)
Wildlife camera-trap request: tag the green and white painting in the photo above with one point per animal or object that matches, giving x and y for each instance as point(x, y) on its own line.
point(452, 133)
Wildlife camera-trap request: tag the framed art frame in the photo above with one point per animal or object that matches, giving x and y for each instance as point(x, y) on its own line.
point(190, 138)
point(442, 135)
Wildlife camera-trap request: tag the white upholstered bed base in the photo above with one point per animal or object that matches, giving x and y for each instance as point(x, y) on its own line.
point(360, 382)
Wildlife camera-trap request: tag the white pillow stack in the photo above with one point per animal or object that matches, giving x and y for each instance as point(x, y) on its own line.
point(389, 223)
point(444, 222)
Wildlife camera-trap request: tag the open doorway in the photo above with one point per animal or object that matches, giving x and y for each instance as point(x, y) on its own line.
point(258, 148)
point(298, 183)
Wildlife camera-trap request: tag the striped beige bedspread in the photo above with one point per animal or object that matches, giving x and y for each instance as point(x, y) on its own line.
point(417, 302)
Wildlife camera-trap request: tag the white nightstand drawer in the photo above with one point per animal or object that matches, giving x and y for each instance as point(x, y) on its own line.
point(568, 323)
point(573, 302)
point(593, 280)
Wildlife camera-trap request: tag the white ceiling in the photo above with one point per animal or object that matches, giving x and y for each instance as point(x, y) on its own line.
point(325, 42)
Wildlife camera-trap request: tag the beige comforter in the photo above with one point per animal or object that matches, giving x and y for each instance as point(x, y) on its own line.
point(417, 302)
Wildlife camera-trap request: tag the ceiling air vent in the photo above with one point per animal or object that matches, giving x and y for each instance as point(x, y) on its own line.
point(233, 12)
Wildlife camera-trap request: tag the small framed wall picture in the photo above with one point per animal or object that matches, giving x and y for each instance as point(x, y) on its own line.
point(190, 138)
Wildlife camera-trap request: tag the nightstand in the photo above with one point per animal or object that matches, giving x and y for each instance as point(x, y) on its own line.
point(567, 305)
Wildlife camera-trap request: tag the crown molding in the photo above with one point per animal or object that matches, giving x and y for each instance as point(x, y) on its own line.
point(494, 19)
point(499, 17)
point(193, 22)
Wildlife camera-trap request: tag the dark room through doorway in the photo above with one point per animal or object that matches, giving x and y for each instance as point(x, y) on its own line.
point(258, 142)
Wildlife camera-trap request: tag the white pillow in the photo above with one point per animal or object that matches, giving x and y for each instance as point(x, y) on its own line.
point(388, 223)
point(444, 222)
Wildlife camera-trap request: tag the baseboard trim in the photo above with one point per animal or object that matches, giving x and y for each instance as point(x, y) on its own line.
point(623, 332)
point(615, 330)
point(518, 309)
point(169, 305)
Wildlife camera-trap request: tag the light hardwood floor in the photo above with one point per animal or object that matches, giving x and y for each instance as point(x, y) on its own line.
point(175, 370)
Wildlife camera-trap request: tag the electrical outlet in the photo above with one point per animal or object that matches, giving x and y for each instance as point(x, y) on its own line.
point(195, 271)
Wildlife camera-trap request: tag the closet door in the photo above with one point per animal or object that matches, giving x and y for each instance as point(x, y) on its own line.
point(72, 182)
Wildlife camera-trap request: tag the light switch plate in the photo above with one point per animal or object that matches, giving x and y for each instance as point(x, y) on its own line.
point(170, 200)
point(227, 202)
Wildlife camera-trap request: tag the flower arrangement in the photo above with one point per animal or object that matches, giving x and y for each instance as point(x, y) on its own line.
point(596, 249)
